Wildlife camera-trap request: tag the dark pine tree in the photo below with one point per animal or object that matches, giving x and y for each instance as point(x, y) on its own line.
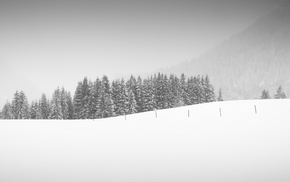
point(265, 95)
point(122, 98)
point(176, 91)
point(64, 104)
point(85, 97)
point(167, 93)
point(105, 103)
point(148, 99)
point(44, 107)
point(56, 112)
point(33, 110)
point(24, 106)
point(77, 101)
point(220, 95)
point(7, 111)
point(94, 110)
point(280, 94)
point(192, 90)
point(209, 95)
point(132, 104)
point(70, 106)
point(184, 90)
point(138, 94)
point(115, 92)
point(16, 106)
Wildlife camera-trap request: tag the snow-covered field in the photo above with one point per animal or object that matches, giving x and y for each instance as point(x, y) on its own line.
point(240, 145)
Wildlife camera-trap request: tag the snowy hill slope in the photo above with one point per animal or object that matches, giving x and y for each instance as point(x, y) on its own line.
point(240, 145)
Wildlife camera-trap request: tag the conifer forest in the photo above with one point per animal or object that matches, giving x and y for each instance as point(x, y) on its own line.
point(102, 99)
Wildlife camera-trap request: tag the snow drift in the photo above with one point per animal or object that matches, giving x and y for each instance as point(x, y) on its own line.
point(246, 141)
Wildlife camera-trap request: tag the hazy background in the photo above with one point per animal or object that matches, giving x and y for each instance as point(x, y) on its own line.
point(45, 44)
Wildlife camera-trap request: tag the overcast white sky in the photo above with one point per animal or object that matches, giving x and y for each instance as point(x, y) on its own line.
point(45, 44)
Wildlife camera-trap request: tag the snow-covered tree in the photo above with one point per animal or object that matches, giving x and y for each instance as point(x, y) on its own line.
point(7, 111)
point(16, 107)
point(209, 95)
point(84, 114)
point(280, 94)
point(176, 97)
point(20, 106)
point(105, 103)
point(64, 104)
point(56, 110)
point(94, 109)
point(70, 106)
point(265, 95)
point(77, 101)
point(148, 95)
point(34, 110)
point(121, 98)
point(184, 90)
point(192, 89)
point(138, 94)
point(220, 95)
point(44, 107)
point(132, 104)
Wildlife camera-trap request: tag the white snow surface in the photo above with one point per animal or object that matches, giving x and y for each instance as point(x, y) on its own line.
point(238, 146)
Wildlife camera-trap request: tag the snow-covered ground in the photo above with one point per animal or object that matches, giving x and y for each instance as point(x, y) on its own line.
point(240, 145)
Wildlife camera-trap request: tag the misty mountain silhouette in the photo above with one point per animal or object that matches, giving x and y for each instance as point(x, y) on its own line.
point(257, 58)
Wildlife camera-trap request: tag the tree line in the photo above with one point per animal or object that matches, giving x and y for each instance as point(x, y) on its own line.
point(102, 99)
point(280, 94)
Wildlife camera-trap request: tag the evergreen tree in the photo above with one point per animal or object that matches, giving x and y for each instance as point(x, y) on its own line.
point(138, 94)
point(167, 93)
point(184, 90)
point(220, 96)
point(16, 107)
point(209, 95)
point(176, 91)
point(193, 90)
point(122, 98)
point(265, 95)
point(64, 104)
point(115, 92)
point(159, 91)
point(131, 84)
point(105, 104)
point(77, 101)
point(280, 94)
point(85, 99)
point(44, 107)
point(148, 98)
point(38, 111)
point(7, 111)
point(94, 112)
point(24, 106)
point(132, 104)
point(33, 110)
point(70, 106)
point(56, 110)
point(171, 86)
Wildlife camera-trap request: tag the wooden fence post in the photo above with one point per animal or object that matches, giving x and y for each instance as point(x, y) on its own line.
point(255, 109)
point(155, 113)
point(220, 112)
point(188, 113)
